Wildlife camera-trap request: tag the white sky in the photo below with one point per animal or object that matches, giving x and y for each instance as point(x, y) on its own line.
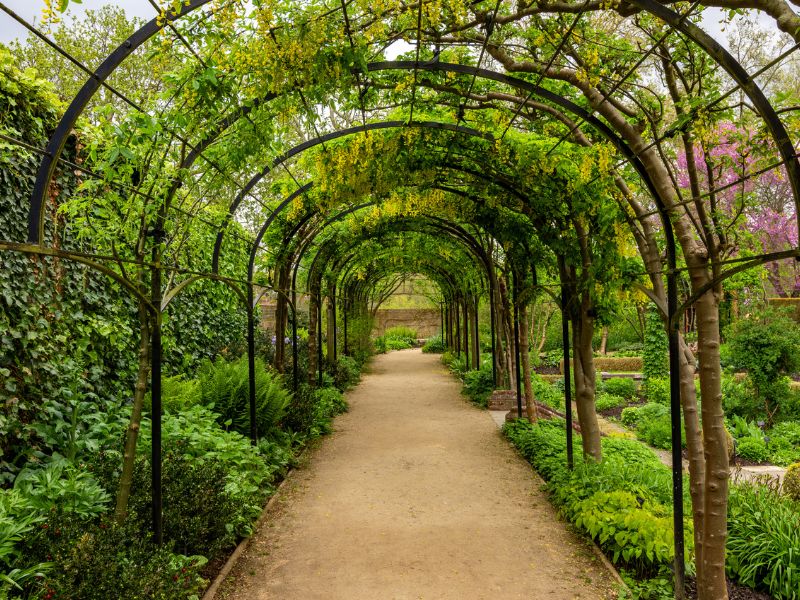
point(31, 10)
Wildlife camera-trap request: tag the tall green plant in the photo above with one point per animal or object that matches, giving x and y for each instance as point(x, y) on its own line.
point(767, 345)
point(226, 388)
point(655, 359)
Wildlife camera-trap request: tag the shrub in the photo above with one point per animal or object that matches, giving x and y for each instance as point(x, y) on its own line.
point(632, 530)
point(379, 345)
point(629, 452)
point(622, 502)
point(300, 413)
point(402, 333)
point(784, 443)
point(791, 482)
point(763, 549)
point(398, 344)
point(656, 389)
point(226, 388)
point(329, 403)
point(547, 393)
point(767, 345)
point(203, 461)
point(478, 384)
point(434, 345)
point(752, 448)
point(630, 416)
point(738, 399)
point(199, 515)
point(346, 373)
point(621, 386)
point(606, 401)
point(103, 560)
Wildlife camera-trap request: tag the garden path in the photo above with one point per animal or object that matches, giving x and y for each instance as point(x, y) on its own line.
point(415, 496)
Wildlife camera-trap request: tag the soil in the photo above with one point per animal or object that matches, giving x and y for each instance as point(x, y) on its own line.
point(543, 370)
point(416, 495)
point(616, 412)
point(735, 592)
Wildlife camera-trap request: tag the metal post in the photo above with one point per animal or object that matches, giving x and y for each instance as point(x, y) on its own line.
point(441, 320)
point(155, 393)
point(319, 340)
point(251, 361)
point(492, 325)
point(457, 330)
point(295, 375)
point(476, 349)
point(333, 309)
point(466, 335)
point(516, 351)
point(344, 314)
point(675, 421)
point(567, 380)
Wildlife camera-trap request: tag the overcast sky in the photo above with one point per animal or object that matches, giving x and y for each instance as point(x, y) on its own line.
point(31, 10)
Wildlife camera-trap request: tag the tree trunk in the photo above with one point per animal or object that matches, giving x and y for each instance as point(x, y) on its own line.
point(717, 469)
point(583, 368)
point(524, 349)
point(603, 341)
point(132, 435)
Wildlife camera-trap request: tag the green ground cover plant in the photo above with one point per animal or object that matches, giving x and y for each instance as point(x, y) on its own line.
point(623, 503)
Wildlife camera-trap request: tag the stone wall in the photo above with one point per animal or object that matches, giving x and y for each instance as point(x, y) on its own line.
point(425, 320)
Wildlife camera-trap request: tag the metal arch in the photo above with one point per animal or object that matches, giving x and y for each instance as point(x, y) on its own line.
point(739, 74)
point(279, 160)
point(59, 138)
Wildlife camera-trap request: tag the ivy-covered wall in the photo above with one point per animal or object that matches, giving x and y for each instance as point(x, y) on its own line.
point(68, 333)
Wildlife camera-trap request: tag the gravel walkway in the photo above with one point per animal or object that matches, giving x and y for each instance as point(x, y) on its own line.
point(415, 496)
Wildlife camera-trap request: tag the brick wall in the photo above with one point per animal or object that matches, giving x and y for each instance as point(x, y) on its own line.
point(425, 320)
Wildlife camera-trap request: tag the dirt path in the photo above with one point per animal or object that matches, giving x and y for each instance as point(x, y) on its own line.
point(415, 496)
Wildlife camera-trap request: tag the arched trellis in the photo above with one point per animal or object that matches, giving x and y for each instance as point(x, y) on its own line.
point(675, 20)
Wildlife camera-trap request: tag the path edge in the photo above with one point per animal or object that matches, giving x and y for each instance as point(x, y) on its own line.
point(590, 542)
point(211, 591)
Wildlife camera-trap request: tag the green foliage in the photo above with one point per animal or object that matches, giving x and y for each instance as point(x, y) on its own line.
point(752, 448)
point(630, 416)
point(738, 399)
point(606, 401)
point(633, 532)
point(434, 345)
point(763, 548)
point(405, 334)
point(652, 424)
point(784, 443)
point(64, 486)
point(478, 384)
point(656, 389)
point(767, 345)
point(655, 362)
point(379, 345)
point(791, 482)
point(397, 344)
point(547, 393)
point(301, 411)
point(203, 461)
point(226, 388)
point(655, 588)
point(103, 560)
point(620, 386)
point(455, 362)
point(346, 373)
point(621, 502)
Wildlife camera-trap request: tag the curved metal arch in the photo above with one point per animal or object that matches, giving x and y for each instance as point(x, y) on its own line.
point(300, 148)
point(330, 246)
point(671, 18)
point(55, 145)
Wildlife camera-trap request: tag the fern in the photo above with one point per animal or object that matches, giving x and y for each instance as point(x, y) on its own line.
point(225, 387)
